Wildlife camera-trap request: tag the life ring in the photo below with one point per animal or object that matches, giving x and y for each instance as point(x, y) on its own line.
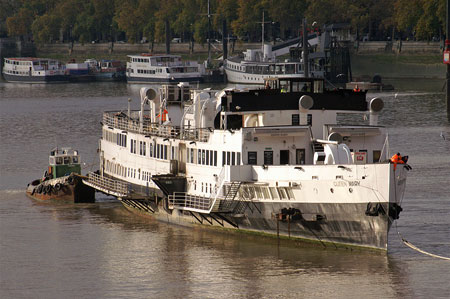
point(58, 187)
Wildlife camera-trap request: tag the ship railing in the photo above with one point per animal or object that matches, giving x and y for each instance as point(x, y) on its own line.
point(189, 202)
point(107, 185)
point(121, 121)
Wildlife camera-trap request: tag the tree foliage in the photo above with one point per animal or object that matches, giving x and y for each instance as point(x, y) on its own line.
point(86, 20)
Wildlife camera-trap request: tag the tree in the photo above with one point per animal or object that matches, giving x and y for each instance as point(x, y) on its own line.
point(127, 18)
point(20, 23)
point(45, 28)
point(287, 13)
point(249, 14)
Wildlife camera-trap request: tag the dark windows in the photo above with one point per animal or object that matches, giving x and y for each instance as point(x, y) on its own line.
point(268, 157)
point(300, 156)
point(252, 158)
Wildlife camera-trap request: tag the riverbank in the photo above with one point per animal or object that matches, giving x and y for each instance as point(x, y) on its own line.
point(388, 65)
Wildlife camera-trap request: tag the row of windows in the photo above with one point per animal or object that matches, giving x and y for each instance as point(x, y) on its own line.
point(121, 139)
point(140, 60)
point(231, 158)
point(145, 71)
point(24, 73)
point(15, 62)
point(265, 192)
point(266, 69)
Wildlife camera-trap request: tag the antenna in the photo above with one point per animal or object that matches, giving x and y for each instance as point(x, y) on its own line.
point(262, 33)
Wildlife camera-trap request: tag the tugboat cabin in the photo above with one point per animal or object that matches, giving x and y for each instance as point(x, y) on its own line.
point(63, 162)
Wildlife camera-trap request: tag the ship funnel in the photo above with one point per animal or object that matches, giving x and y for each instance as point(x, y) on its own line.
point(376, 105)
point(304, 104)
point(147, 97)
point(335, 136)
point(148, 93)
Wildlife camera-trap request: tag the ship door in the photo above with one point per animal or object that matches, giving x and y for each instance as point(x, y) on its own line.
point(182, 158)
point(284, 157)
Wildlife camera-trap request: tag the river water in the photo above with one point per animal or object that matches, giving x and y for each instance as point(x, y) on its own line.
point(51, 250)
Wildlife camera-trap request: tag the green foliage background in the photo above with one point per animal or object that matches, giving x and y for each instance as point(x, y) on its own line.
point(131, 20)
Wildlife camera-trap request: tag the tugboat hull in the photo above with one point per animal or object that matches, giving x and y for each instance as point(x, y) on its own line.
point(68, 189)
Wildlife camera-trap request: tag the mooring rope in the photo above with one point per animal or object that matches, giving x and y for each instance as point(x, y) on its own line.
point(410, 245)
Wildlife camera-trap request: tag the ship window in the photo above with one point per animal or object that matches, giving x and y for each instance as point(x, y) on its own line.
point(300, 156)
point(376, 156)
point(258, 191)
point(199, 156)
point(157, 151)
point(252, 158)
point(228, 158)
point(295, 119)
point(151, 149)
point(203, 157)
point(282, 192)
point(75, 159)
point(233, 158)
point(144, 145)
point(215, 158)
point(165, 152)
point(273, 192)
point(266, 193)
point(238, 161)
point(172, 152)
point(192, 155)
point(223, 158)
point(207, 158)
point(268, 157)
point(309, 119)
point(211, 158)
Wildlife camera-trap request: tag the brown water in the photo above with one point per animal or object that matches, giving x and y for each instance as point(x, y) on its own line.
point(50, 250)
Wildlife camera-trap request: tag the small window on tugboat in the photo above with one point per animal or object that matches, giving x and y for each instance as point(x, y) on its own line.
point(66, 160)
point(75, 159)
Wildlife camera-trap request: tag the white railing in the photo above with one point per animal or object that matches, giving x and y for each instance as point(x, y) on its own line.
point(121, 121)
point(185, 201)
point(107, 185)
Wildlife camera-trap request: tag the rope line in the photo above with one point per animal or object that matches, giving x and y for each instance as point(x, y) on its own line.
point(413, 247)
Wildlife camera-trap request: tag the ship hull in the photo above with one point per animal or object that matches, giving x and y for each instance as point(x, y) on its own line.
point(331, 225)
point(36, 79)
point(162, 80)
point(65, 189)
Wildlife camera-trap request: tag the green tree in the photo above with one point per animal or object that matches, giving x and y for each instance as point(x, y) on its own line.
point(20, 23)
point(45, 28)
point(249, 14)
point(287, 13)
point(127, 18)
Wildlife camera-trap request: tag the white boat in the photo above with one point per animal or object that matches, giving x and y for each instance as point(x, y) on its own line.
point(273, 161)
point(146, 68)
point(34, 70)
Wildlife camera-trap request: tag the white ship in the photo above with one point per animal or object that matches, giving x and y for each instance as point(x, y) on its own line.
point(34, 70)
point(256, 160)
point(147, 68)
point(257, 65)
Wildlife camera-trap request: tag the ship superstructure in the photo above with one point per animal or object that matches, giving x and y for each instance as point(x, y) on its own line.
point(146, 68)
point(274, 160)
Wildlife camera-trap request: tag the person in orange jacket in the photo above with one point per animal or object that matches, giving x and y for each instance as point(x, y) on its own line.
point(397, 159)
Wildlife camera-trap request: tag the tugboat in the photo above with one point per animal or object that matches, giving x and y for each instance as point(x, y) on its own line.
point(62, 181)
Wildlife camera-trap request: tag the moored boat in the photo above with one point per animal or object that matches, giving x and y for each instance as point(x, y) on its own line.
point(34, 70)
point(146, 68)
point(62, 181)
point(276, 161)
